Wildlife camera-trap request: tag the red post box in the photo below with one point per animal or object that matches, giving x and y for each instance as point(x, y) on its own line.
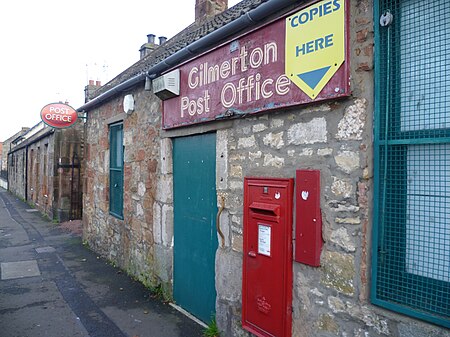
point(267, 264)
point(308, 221)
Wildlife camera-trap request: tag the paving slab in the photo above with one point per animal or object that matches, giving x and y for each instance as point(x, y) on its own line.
point(47, 249)
point(20, 269)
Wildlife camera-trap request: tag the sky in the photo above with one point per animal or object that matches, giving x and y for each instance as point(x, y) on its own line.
point(49, 49)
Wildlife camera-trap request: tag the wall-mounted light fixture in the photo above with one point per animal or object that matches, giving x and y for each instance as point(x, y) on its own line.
point(128, 104)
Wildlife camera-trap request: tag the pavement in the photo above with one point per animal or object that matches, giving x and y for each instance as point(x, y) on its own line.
point(53, 286)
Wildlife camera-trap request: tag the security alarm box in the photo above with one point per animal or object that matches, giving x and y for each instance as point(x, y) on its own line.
point(167, 85)
point(267, 260)
point(308, 218)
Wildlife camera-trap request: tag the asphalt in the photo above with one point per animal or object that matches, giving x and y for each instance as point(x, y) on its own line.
point(53, 286)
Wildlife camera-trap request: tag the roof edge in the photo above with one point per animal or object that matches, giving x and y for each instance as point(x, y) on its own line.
point(196, 48)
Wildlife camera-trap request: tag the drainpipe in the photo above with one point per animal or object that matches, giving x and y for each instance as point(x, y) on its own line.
point(26, 173)
point(195, 48)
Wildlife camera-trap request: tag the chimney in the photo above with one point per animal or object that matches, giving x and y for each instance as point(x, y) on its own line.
point(151, 38)
point(162, 40)
point(90, 89)
point(206, 9)
point(148, 47)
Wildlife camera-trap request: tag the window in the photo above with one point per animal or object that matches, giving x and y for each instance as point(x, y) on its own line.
point(116, 170)
point(411, 245)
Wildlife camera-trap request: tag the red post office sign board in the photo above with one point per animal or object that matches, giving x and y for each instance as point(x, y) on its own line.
point(59, 115)
point(269, 68)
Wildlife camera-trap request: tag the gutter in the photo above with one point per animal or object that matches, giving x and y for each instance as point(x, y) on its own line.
point(31, 141)
point(195, 48)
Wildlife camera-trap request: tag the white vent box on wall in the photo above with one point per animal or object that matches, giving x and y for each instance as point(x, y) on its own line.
point(167, 85)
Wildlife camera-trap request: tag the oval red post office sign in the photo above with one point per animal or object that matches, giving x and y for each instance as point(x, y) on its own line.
point(59, 115)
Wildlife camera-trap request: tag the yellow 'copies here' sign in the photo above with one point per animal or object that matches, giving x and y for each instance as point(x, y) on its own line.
point(315, 45)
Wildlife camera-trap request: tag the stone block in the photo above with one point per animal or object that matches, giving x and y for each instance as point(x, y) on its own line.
point(164, 189)
point(128, 137)
point(236, 157)
point(308, 152)
point(236, 185)
point(312, 132)
point(228, 275)
point(347, 161)
point(342, 187)
point(351, 127)
point(327, 323)
point(167, 225)
point(166, 156)
point(139, 210)
point(341, 238)
point(338, 272)
point(277, 123)
point(246, 142)
point(274, 140)
point(236, 329)
point(163, 263)
point(259, 127)
point(350, 221)
point(223, 317)
point(324, 152)
point(236, 220)
point(141, 189)
point(157, 230)
point(254, 155)
point(237, 242)
point(369, 317)
point(302, 292)
point(336, 304)
point(236, 171)
point(274, 161)
point(222, 159)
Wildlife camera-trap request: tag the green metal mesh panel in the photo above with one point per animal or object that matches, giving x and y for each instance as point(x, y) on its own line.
point(413, 152)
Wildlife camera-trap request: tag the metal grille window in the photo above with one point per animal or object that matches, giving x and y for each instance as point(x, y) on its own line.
point(411, 259)
point(116, 170)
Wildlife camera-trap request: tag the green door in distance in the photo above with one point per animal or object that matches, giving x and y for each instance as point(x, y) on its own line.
point(195, 237)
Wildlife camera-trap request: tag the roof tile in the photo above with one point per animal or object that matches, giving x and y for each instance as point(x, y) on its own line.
point(184, 38)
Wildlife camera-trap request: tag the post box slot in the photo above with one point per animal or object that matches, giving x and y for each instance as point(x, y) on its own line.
point(265, 209)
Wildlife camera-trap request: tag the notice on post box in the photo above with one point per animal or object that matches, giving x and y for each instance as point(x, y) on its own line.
point(264, 233)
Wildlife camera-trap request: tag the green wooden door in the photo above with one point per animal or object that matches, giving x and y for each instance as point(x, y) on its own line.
point(195, 237)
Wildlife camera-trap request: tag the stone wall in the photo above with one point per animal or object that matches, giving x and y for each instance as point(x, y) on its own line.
point(334, 137)
point(46, 182)
point(41, 175)
point(16, 173)
point(129, 243)
point(7, 147)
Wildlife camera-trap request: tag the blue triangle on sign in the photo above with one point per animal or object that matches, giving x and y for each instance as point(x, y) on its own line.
point(312, 78)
